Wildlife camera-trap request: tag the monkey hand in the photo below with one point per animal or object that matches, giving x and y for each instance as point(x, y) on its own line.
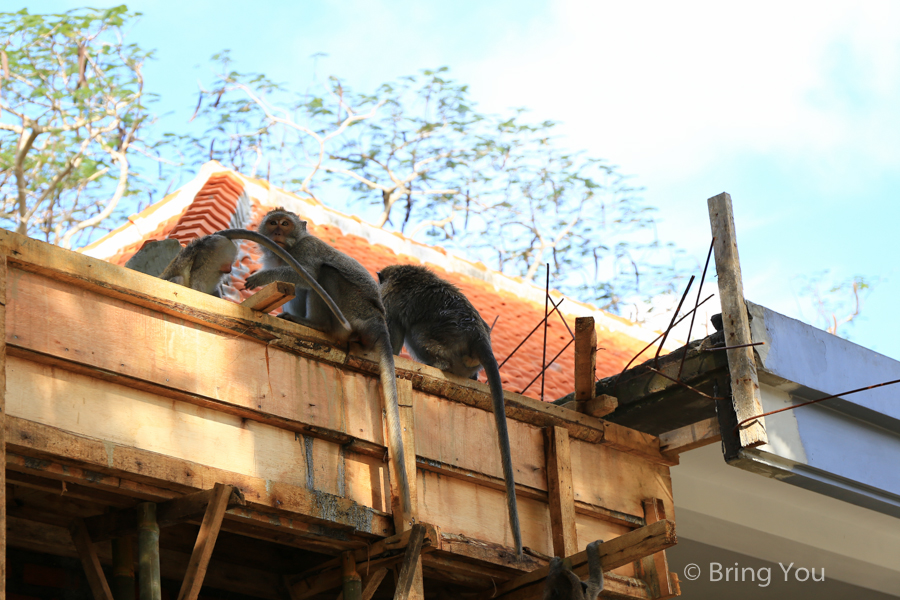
point(257, 280)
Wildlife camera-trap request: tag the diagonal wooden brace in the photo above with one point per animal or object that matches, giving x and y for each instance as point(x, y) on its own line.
point(89, 560)
point(206, 540)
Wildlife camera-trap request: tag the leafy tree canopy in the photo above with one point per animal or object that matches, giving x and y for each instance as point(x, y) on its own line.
point(418, 155)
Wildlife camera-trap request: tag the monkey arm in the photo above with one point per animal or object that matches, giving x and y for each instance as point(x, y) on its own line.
point(595, 571)
point(245, 234)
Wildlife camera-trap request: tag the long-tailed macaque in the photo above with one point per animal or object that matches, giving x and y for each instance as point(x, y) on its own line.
point(563, 584)
point(202, 264)
point(442, 329)
point(356, 295)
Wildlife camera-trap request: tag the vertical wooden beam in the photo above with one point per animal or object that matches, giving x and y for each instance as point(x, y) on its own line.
point(656, 566)
point(148, 552)
point(560, 492)
point(350, 579)
point(3, 276)
point(741, 364)
point(412, 564)
point(401, 522)
point(206, 541)
point(123, 568)
point(89, 560)
point(585, 359)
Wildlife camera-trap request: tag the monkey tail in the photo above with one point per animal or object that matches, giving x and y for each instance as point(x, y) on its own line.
point(392, 414)
point(253, 236)
point(486, 356)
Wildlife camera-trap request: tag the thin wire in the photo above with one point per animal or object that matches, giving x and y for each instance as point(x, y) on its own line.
point(775, 412)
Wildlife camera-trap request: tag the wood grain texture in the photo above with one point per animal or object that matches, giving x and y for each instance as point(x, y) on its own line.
point(90, 561)
point(270, 297)
point(585, 358)
point(693, 436)
point(206, 541)
point(736, 321)
point(656, 566)
point(560, 492)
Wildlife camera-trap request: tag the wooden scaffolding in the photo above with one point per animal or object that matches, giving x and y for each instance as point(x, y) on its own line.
point(155, 429)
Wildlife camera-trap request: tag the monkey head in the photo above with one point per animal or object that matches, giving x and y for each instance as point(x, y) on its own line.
point(282, 227)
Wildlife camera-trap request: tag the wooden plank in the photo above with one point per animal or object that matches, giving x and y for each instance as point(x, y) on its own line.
point(402, 521)
point(3, 281)
point(270, 297)
point(736, 321)
point(636, 443)
point(600, 406)
point(90, 562)
point(655, 566)
point(585, 358)
point(614, 553)
point(65, 270)
point(412, 562)
point(693, 436)
point(407, 430)
point(206, 541)
point(185, 476)
point(560, 492)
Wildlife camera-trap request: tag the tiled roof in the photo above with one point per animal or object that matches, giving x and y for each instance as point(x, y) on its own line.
point(212, 208)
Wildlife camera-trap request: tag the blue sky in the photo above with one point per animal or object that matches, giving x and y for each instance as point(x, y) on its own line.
point(792, 108)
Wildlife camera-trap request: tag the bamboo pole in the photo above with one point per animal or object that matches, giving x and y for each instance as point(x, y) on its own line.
point(148, 552)
point(352, 583)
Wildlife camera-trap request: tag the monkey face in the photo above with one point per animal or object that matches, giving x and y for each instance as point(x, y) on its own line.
point(280, 228)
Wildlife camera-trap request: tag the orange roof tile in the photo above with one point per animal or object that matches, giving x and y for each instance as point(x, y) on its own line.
point(214, 204)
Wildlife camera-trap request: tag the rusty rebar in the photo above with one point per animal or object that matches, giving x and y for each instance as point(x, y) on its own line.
point(717, 348)
point(548, 365)
point(774, 412)
point(694, 314)
point(683, 384)
point(635, 357)
point(527, 337)
point(544, 356)
point(672, 322)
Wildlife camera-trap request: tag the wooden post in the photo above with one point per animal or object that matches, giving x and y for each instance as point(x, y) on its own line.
point(148, 552)
point(401, 520)
point(741, 364)
point(585, 359)
point(656, 566)
point(4, 273)
point(352, 583)
point(560, 492)
point(89, 560)
point(206, 541)
point(411, 566)
point(123, 568)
